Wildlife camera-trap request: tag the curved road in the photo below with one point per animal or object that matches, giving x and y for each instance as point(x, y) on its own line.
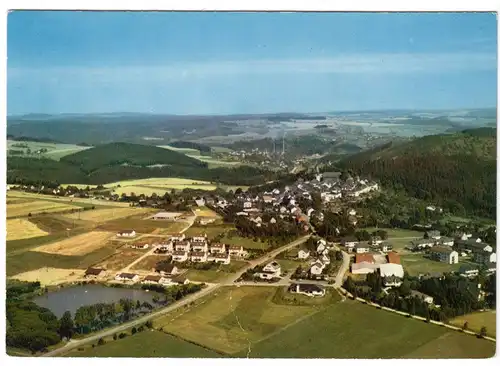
point(187, 300)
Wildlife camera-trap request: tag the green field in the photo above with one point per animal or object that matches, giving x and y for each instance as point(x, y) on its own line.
point(55, 151)
point(288, 265)
point(213, 275)
point(477, 320)
point(247, 243)
point(354, 330)
point(232, 318)
point(211, 230)
point(146, 344)
point(398, 233)
point(416, 264)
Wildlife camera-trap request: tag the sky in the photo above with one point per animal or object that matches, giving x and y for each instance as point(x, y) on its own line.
point(227, 63)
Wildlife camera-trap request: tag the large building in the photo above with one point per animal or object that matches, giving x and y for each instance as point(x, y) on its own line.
point(444, 254)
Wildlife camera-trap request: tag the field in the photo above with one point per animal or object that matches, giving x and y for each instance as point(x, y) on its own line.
point(50, 276)
point(55, 151)
point(77, 245)
point(214, 275)
point(106, 214)
point(74, 201)
point(23, 229)
point(356, 330)
point(232, 319)
point(121, 259)
point(288, 265)
point(416, 264)
point(245, 242)
point(148, 263)
point(140, 226)
point(146, 344)
point(398, 233)
point(36, 207)
point(205, 212)
point(478, 320)
point(211, 231)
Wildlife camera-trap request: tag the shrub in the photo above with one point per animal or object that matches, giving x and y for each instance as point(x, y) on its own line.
point(122, 335)
point(115, 337)
point(134, 330)
point(100, 342)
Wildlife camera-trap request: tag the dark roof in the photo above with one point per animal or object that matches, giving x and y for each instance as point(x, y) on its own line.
point(305, 287)
point(164, 267)
point(128, 275)
point(152, 278)
point(93, 271)
point(440, 249)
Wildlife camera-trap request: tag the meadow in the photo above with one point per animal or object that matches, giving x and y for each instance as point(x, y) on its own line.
point(356, 330)
point(77, 245)
point(146, 344)
point(36, 207)
point(139, 225)
point(215, 274)
point(211, 230)
point(106, 214)
point(18, 229)
point(234, 317)
point(54, 151)
point(477, 320)
point(416, 264)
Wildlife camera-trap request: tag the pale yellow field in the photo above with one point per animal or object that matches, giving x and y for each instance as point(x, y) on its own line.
point(106, 214)
point(205, 212)
point(63, 200)
point(49, 276)
point(77, 245)
point(36, 207)
point(23, 229)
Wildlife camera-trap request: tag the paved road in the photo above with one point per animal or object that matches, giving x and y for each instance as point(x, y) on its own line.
point(187, 300)
point(343, 269)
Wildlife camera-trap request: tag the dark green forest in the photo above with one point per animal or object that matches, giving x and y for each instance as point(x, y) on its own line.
point(191, 145)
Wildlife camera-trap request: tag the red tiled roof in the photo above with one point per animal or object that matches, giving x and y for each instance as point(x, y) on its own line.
point(364, 258)
point(393, 257)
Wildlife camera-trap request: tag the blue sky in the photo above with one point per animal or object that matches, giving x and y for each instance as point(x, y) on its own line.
point(218, 63)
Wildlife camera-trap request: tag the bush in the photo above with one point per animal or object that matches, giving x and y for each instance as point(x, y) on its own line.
point(134, 330)
point(100, 342)
point(115, 337)
point(122, 335)
point(149, 324)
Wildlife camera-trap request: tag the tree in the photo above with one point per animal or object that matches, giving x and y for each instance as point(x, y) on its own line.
point(134, 330)
point(115, 337)
point(66, 325)
point(482, 332)
point(100, 342)
point(465, 326)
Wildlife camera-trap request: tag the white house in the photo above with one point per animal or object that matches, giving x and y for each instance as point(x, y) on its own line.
point(321, 246)
point(183, 246)
point(223, 258)
point(200, 247)
point(310, 211)
point(177, 237)
point(127, 277)
point(156, 280)
point(126, 234)
point(199, 239)
point(307, 289)
point(362, 248)
point(325, 259)
point(270, 271)
point(446, 241)
point(376, 240)
point(444, 254)
point(422, 243)
point(317, 268)
point(386, 247)
point(237, 251)
point(200, 202)
point(351, 212)
point(247, 204)
point(218, 248)
point(180, 256)
point(303, 254)
point(141, 246)
point(425, 298)
point(392, 274)
point(199, 257)
point(166, 246)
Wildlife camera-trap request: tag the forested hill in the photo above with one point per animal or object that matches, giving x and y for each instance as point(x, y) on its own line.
point(457, 171)
point(122, 161)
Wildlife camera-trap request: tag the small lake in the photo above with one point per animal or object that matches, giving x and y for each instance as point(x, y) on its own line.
point(71, 298)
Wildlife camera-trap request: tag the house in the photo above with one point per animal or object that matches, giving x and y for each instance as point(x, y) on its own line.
point(182, 246)
point(200, 247)
point(177, 237)
point(270, 271)
point(223, 258)
point(491, 268)
point(206, 221)
point(166, 269)
point(325, 259)
point(165, 247)
point(129, 277)
point(351, 212)
point(472, 245)
point(180, 256)
point(467, 270)
point(237, 251)
point(95, 273)
point(386, 247)
point(200, 202)
point(247, 204)
point(156, 280)
point(367, 258)
point(432, 234)
point(307, 289)
point(199, 239)
point(199, 257)
point(483, 257)
point(321, 246)
point(268, 199)
point(446, 241)
point(420, 244)
point(180, 281)
point(310, 211)
point(218, 248)
point(349, 242)
point(126, 234)
point(376, 240)
point(444, 254)
point(393, 257)
point(425, 298)
point(364, 268)
point(362, 248)
point(392, 274)
point(139, 246)
point(303, 254)
point(317, 268)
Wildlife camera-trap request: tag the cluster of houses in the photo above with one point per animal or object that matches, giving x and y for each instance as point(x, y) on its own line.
point(198, 249)
point(164, 277)
point(320, 259)
point(353, 245)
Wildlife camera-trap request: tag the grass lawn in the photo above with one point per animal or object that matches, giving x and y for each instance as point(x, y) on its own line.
point(211, 230)
point(284, 297)
point(397, 233)
point(356, 330)
point(477, 321)
point(232, 318)
point(416, 264)
point(140, 226)
point(216, 274)
point(288, 265)
point(146, 344)
point(245, 242)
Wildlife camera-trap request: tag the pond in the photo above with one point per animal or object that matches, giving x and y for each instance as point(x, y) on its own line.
point(71, 298)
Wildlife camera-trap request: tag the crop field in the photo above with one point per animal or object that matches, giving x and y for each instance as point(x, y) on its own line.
point(245, 242)
point(121, 259)
point(36, 207)
point(74, 201)
point(140, 226)
point(416, 264)
point(211, 231)
point(106, 214)
point(478, 320)
point(398, 233)
point(77, 245)
point(54, 151)
point(23, 229)
point(205, 212)
point(284, 297)
point(233, 317)
point(356, 330)
point(149, 262)
point(213, 275)
point(50, 276)
point(146, 344)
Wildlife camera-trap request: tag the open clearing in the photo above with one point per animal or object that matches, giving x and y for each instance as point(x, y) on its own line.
point(205, 212)
point(121, 259)
point(148, 263)
point(478, 320)
point(140, 226)
point(232, 317)
point(106, 214)
point(398, 233)
point(211, 231)
point(23, 229)
point(146, 344)
point(215, 274)
point(357, 330)
point(416, 264)
point(77, 245)
point(245, 242)
point(50, 276)
point(74, 201)
point(54, 151)
point(36, 207)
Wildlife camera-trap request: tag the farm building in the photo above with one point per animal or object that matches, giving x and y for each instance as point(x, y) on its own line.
point(393, 257)
point(367, 258)
point(307, 289)
point(126, 234)
point(171, 216)
point(95, 273)
point(364, 268)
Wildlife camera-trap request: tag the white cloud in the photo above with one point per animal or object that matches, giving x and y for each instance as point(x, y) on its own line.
point(403, 63)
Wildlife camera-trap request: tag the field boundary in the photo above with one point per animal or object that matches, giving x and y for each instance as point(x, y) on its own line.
point(193, 342)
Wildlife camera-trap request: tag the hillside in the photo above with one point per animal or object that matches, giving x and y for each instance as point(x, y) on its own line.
point(457, 171)
point(124, 154)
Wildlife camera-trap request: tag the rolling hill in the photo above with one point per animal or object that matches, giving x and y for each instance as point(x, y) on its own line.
point(457, 170)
